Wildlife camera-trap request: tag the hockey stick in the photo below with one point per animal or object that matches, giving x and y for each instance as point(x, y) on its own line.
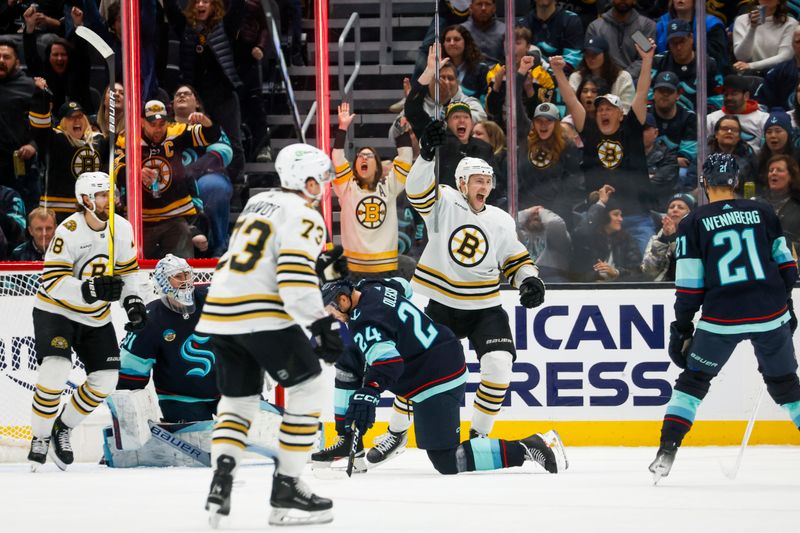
point(108, 55)
point(179, 444)
point(351, 458)
point(733, 471)
point(437, 109)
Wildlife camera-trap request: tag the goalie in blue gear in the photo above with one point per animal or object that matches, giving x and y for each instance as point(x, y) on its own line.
point(411, 356)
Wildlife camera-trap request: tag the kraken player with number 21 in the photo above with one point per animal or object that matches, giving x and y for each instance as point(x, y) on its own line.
point(73, 311)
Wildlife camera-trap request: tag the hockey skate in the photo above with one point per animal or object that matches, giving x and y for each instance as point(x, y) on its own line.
point(388, 445)
point(662, 464)
point(546, 450)
point(293, 503)
point(61, 450)
point(38, 454)
point(218, 503)
point(324, 459)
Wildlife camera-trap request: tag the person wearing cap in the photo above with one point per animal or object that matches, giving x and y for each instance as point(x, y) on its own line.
point(737, 101)
point(677, 126)
point(662, 162)
point(617, 25)
point(558, 31)
point(597, 62)
point(761, 43)
point(168, 191)
point(70, 149)
point(681, 60)
point(614, 147)
point(549, 173)
point(780, 82)
point(659, 256)
point(716, 34)
point(778, 139)
point(734, 266)
point(782, 192)
point(602, 250)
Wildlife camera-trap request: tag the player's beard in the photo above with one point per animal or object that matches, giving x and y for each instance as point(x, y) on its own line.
point(102, 216)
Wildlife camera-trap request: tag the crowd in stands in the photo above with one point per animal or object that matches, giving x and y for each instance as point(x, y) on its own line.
point(607, 132)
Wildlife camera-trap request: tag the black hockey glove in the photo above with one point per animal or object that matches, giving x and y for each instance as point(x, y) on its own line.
point(137, 313)
point(680, 338)
point(326, 334)
point(106, 288)
point(531, 292)
point(361, 410)
point(792, 316)
point(332, 265)
point(434, 135)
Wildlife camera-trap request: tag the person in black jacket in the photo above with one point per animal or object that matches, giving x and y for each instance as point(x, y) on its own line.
point(207, 63)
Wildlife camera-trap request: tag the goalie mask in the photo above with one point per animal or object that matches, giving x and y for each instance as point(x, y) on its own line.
point(174, 281)
point(298, 162)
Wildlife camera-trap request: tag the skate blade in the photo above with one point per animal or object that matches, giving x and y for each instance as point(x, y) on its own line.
point(59, 463)
point(327, 470)
point(35, 466)
point(554, 442)
point(296, 517)
point(658, 472)
point(213, 516)
point(370, 465)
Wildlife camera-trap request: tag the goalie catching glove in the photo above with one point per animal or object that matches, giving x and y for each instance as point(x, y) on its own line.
point(136, 311)
point(329, 344)
point(106, 288)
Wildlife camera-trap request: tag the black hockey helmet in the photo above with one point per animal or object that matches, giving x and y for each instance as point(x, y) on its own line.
point(720, 170)
point(332, 290)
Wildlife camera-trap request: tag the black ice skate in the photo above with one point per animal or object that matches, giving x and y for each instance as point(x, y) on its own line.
point(546, 450)
point(388, 445)
point(340, 449)
point(38, 454)
point(61, 451)
point(218, 503)
point(293, 503)
point(662, 464)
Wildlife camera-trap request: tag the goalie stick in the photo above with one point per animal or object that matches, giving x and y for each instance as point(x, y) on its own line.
point(107, 53)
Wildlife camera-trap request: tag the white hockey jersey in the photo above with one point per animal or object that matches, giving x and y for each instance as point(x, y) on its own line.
point(461, 264)
point(266, 280)
point(369, 218)
point(76, 253)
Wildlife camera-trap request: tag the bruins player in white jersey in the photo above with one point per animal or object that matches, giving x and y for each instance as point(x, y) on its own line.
point(73, 312)
point(264, 289)
point(460, 267)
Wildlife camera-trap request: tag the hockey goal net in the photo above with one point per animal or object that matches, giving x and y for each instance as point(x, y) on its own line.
point(18, 367)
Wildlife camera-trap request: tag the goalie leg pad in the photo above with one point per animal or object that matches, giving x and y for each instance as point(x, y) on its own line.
point(495, 377)
point(53, 374)
point(234, 417)
point(298, 432)
point(86, 398)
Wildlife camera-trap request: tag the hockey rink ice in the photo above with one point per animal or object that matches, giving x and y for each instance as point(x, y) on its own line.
point(604, 490)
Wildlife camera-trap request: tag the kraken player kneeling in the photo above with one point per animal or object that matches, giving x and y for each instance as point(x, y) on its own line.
point(733, 261)
point(410, 355)
point(73, 312)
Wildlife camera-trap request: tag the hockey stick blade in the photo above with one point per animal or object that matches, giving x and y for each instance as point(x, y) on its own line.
point(351, 458)
point(95, 40)
point(202, 457)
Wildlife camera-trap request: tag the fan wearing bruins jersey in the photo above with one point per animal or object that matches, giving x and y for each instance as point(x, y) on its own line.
point(461, 265)
point(73, 312)
point(264, 291)
point(70, 149)
point(368, 202)
point(168, 191)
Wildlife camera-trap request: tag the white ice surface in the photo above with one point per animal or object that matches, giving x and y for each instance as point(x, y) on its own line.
point(604, 490)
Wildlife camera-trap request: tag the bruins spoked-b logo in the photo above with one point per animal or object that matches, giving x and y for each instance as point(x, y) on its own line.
point(164, 172)
point(59, 343)
point(541, 159)
point(84, 160)
point(610, 154)
point(371, 212)
point(468, 245)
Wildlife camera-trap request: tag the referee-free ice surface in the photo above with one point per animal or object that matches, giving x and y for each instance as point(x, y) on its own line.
point(605, 489)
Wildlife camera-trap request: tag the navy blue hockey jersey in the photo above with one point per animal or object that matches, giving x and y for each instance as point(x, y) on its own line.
point(181, 361)
point(406, 351)
point(732, 259)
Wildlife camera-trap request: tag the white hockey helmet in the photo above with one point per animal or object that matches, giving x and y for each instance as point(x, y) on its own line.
point(298, 162)
point(181, 298)
point(89, 184)
point(471, 166)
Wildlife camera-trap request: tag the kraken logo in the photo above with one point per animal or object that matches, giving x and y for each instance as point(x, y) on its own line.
point(610, 153)
point(468, 245)
point(192, 352)
point(371, 212)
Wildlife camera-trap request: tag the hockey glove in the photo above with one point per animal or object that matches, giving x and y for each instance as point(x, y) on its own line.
point(361, 410)
point(680, 338)
point(531, 292)
point(106, 288)
point(326, 335)
point(332, 265)
point(792, 316)
point(137, 313)
point(434, 135)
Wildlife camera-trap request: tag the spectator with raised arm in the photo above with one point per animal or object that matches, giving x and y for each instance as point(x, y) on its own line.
point(759, 45)
point(598, 63)
point(614, 147)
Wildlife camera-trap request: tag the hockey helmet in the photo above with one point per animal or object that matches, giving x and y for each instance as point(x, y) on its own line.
point(298, 162)
point(178, 298)
point(720, 170)
point(89, 184)
point(470, 166)
point(332, 290)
